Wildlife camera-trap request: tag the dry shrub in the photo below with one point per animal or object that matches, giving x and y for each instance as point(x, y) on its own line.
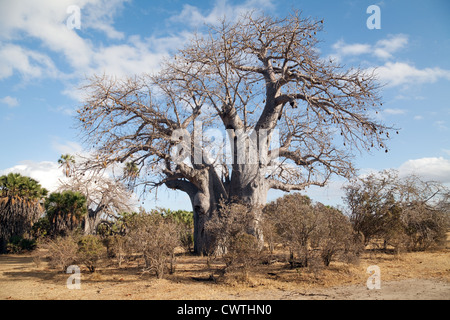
point(118, 247)
point(314, 234)
point(406, 213)
point(155, 238)
point(61, 252)
point(231, 229)
point(72, 249)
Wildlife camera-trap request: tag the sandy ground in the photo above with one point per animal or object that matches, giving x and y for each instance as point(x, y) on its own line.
point(418, 276)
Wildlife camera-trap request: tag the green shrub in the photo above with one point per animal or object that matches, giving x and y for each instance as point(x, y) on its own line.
point(17, 244)
point(90, 251)
point(41, 228)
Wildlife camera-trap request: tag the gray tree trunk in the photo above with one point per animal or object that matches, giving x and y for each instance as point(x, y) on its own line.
point(247, 186)
point(92, 220)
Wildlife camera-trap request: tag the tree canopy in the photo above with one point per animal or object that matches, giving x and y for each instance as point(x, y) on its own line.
point(188, 126)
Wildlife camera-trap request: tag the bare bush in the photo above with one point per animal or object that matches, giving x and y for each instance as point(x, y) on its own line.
point(406, 213)
point(61, 252)
point(334, 237)
point(155, 238)
point(231, 228)
point(314, 234)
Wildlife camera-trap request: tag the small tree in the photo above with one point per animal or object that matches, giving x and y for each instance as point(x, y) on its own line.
point(334, 237)
point(403, 212)
point(90, 251)
point(295, 221)
point(269, 217)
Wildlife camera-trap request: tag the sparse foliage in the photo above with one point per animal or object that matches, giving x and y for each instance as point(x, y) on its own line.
point(312, 233)
point(295, 221)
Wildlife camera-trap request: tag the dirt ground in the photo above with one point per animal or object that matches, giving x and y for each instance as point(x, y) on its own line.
point(418, 276)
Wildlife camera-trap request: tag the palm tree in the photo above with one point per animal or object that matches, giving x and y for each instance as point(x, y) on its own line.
point(65, 211)
point(20, 206)
point(131, 172)
point(66, 161)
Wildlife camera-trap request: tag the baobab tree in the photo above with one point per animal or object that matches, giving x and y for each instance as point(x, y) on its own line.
point(259, 76)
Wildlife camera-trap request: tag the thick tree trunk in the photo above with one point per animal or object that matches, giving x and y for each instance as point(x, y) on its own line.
point(202, 214)
point(247, 186)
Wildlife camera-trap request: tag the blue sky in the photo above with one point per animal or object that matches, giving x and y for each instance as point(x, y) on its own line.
point(42, 62)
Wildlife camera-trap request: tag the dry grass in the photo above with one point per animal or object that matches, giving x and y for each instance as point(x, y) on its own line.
point(22, 278)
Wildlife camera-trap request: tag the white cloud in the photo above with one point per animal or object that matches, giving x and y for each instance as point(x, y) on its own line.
point(193, 16)
point(99, 15)
point(394, 111)
point(436, 169)
point(45, 21)
point(67, 147)
point(441, 125)
point(10, 101)
point(344, 49)
point(382, 49)
point(400, 73)
point(386, 47)
point(30, 64)
point(391, 73)
point(47, 173)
